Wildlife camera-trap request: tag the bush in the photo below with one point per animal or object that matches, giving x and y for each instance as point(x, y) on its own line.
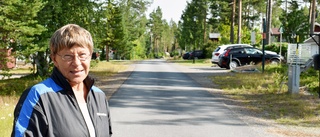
point(174, 53)
point(308, 79)
point(94, 63)
point(276, 48)
point(209, 48)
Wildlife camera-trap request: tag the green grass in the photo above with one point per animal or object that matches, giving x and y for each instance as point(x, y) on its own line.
point(197, 62)
point(7, 104)
point(266, 95)
point(20, 71)
point(107, 69)
point(11, 89)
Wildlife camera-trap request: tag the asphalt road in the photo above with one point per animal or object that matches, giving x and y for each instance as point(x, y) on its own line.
point(157, 100)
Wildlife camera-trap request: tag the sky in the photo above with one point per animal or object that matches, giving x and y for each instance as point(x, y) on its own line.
point(171, 9)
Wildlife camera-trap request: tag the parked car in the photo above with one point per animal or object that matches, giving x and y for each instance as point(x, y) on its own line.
point(234, 57)
point(198, 54)
point(186, 55)
point(220, 49)
point(95, 55)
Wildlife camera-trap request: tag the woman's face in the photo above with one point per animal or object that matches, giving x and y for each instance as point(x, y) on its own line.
point(73, 63)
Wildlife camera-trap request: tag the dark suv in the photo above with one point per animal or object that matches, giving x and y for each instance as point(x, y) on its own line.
point(239, 56)
point(198, 54)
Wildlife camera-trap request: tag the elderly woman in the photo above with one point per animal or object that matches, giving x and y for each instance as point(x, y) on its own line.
point(67, 104)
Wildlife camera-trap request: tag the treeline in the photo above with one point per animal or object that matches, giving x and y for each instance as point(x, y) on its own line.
point(237, 20)
point(122, 26)
point(118, 25)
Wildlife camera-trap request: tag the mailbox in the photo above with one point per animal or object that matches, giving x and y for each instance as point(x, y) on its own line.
point(316, 62)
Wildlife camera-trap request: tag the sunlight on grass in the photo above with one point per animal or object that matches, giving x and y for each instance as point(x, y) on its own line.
point(105, 69)
point(267, 96)
point(198, 62)
point(7, 105)
point(112, 66)
point(17, 71)
point(8, 87)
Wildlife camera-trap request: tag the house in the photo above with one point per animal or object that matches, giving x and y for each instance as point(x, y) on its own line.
point(214, 36)
point(316, 27)
point(275, 32)
point(6, 59)
point(314, 39)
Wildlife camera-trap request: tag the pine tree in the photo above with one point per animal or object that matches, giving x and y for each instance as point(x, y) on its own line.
point(18, 25)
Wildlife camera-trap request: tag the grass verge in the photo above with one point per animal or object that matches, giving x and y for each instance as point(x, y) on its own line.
point(7, 104)
point(197, 62)
point(106, 69)
point(266, 95)
point(11, 89)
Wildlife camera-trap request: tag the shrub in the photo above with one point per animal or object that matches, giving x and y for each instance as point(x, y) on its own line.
point(94, 63)
point(276, 48)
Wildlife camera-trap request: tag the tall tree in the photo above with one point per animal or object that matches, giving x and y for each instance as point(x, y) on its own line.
point(194, 22)
point(134, 28)
point(295, 23)
point(113, 28)
point(53, 16)
point(18, 25)
point(157, 27)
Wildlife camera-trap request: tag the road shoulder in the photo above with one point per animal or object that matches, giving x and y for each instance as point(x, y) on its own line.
point(201, 75)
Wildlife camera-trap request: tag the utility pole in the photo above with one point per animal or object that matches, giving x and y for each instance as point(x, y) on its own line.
point(239, 21)
point(264, 27)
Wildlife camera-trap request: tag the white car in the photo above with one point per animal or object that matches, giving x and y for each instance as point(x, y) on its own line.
point(220, 49)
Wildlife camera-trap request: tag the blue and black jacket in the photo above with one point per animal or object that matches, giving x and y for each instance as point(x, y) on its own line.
point(50, 109)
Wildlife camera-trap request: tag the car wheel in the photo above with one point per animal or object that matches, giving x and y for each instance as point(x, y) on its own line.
point(275, 62)
point(233, 64)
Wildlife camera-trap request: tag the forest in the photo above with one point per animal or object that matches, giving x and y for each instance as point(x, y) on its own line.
point(123, 27)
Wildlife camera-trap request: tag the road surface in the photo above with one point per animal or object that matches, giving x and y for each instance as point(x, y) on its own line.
point(157, 100)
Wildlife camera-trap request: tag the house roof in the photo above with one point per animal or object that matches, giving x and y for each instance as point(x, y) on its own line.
point(275, 31)
point(313, 38)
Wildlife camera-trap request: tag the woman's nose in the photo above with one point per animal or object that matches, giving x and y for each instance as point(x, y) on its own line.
point(76, 60)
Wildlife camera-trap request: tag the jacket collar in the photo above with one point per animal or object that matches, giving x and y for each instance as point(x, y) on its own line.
point(60, 80)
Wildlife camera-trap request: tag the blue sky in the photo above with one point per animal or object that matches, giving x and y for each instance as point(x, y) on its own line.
point(171, 9)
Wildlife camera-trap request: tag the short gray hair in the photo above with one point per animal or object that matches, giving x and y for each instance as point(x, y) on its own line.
point(68, 36)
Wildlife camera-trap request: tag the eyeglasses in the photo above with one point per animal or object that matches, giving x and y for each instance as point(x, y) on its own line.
point(81, 57)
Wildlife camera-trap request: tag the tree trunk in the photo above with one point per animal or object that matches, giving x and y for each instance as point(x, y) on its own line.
point(313, 16)
point(107, 52)
point(232, 21)
point(269, 22)
point(41, 64)
point(205, 25)
point(239, 21)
